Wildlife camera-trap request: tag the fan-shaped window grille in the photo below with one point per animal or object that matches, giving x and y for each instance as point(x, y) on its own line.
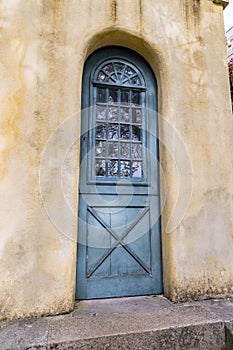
point(119, 72)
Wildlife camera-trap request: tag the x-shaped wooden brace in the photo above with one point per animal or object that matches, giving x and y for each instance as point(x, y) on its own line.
point(118, 241)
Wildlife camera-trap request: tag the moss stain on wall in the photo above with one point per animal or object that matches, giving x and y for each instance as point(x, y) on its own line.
point(141, 16)
point(114, 10)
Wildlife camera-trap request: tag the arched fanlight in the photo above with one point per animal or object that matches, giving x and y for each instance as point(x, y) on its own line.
point(118, 72)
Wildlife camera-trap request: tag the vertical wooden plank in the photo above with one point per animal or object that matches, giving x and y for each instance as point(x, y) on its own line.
point(118, 257)
point(98, 242)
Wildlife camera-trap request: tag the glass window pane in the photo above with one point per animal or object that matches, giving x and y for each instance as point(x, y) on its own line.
point(113, 131)
point(119, 67)
point(113, 114)
point(136, 151)
point(124, 115)
point(137, 169)
point(125, 149)
point(136, 115)
point(129, 71)
point(124, 97)
point(136, 133)
point(102, 76)
point(101, 113)
point(125, 134)
point(135, 81)
point(108, 69)
point(113, 149)
point(135, 98)
point(101, 131)
point(100, 150)
point(112, 96)
point(124, 168)
point(126, 80)
point(100, 168)
point(113, 168)
point(101, 95)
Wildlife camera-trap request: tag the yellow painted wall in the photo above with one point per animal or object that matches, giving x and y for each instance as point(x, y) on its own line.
point(44, 45)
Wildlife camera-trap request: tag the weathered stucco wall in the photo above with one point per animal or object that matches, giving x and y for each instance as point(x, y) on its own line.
point(44, 45)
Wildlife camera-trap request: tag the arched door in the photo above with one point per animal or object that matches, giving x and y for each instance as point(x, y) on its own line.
point(119, 243)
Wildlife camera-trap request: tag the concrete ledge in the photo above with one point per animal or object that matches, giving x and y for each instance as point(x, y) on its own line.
point(126, 323)
point(204, 337)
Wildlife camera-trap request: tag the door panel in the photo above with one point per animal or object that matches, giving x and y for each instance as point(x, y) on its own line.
point(119, 243)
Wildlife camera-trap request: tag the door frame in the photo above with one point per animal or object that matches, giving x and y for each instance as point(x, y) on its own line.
point(86, 98)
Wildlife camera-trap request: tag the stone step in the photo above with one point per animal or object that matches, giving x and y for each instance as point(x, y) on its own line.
point(127, 323)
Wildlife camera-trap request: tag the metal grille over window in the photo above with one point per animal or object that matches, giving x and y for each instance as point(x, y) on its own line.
point(119, 101)
point(119, 73)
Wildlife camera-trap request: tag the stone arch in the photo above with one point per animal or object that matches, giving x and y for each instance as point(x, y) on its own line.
point(155, 56)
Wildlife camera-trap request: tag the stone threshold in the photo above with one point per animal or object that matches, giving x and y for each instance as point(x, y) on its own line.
point(148, 322)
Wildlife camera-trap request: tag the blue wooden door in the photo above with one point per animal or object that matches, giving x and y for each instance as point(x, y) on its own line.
point(119, 242)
